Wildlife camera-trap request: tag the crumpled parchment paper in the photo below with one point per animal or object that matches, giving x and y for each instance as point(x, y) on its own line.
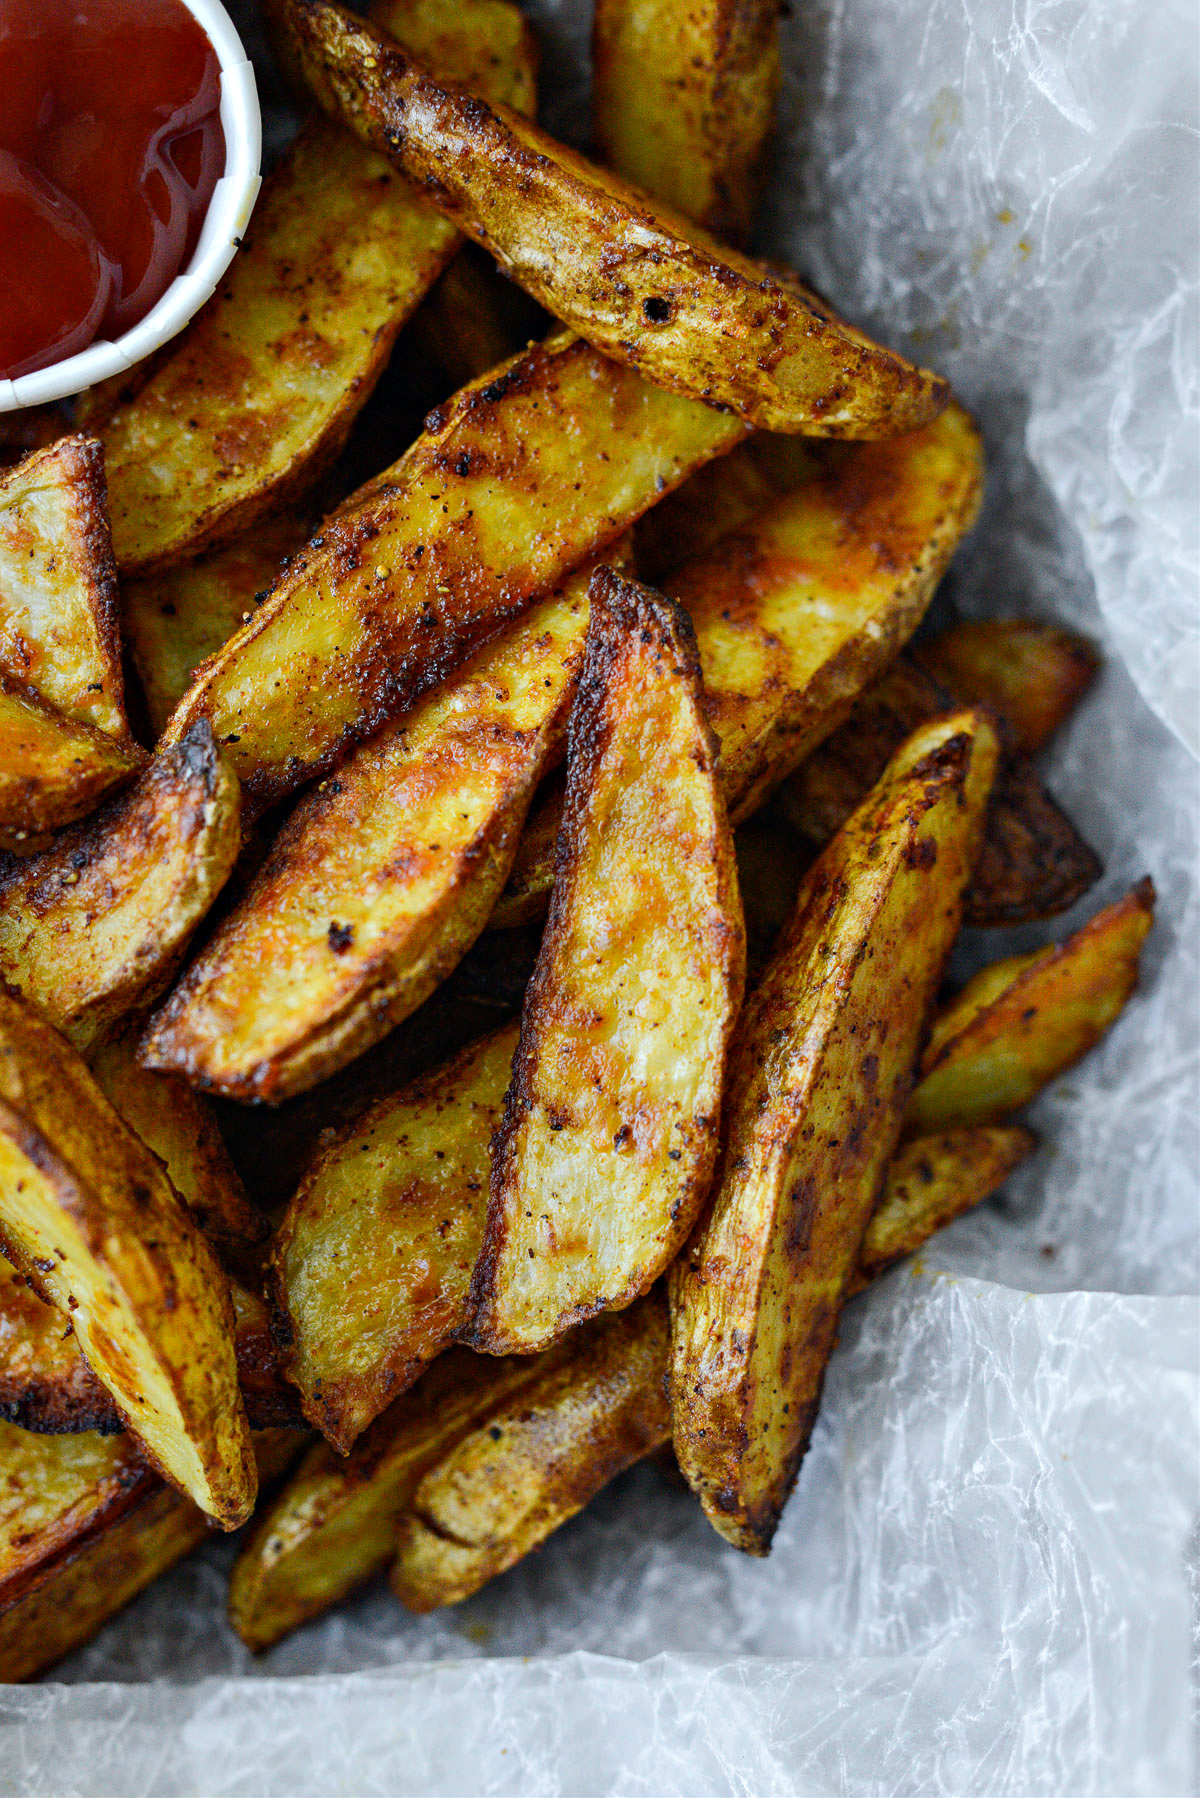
point(979, 1586)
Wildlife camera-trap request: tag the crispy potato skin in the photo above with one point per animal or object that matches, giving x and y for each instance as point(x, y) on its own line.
point(89, 1215)
point(48, 1388)
point(373, 1259)
point(634, 278)
point(683, 102)
point(931, 1181)
point(52, 771)
point(1023, 1020)
point(484, 513)
point(1032, 675)
point(820, 1071)
point(96, 1528)
point(597, 1406)
point(610, 1126)
point(175, 620)
point(260, 393)
point(383, 877)
point(94, 928)
point(802, 606)
point(1033, 863)
point(334, 1523)
point(58, 585)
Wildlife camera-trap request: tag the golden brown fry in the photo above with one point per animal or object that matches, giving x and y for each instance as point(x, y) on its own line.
point(484, 513)
point(819, 1074)
point(373, 1260)
point(1032, 675)
point(536, 1459)
point(52, 771)
point(87, 1527)
point(178, 1127)
point(94, 928)
point(334, 1523)
point(260, 392)
point(931, 1181)
point(383, 878)
point(1033, 862)
point(609, 1136)
point(802, 608)
point(636, 280)
point(46, 1385)
point(88, 1214)
point(58, 585)
point(683, 102)
point(1023, 1020)
point(174, 620)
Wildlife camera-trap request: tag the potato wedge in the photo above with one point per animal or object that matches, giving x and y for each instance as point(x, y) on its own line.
point(52, 771)
point(373, 1259)
point(48, 1388)
point(609, 1136)
point(931, 1181)
point(383, 877)
point(483, 514)
point(1033, 863)
point(334, 1523)
point(1032, 675)
point(683, 102)
point(58, 585)
point(636, 280)
point(94, 928)
point(176, 1125)
point(802, 607)
point(259, 394)
point(820, 1072)
point(1025, 1019)
point(536, 1458)
point(89, 1215)
point(87, 1527)
point(175, 620)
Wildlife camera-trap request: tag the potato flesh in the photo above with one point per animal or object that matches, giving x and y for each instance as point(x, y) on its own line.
point(89, 1215)
point(818, 1079)
point(261, 392)
point(373, 1260)
point(1022, 1021)
point(610, 1128)
point(594, 1409)
point(174, 620)
point(95, 926)
point(383, 877)
point(485, 512)
point(683, 102)
point(637, 281)
point(52, 771)
point(58, 585)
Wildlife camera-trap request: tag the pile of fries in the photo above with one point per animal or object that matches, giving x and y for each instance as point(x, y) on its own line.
point(454, 766)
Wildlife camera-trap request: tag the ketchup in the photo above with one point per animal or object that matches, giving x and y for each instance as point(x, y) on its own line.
point(110, 147)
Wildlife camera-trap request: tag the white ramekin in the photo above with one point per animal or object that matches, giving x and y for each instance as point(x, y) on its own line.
point(226, 219)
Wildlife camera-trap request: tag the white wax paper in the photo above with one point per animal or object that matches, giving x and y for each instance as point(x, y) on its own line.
point(979, 1586)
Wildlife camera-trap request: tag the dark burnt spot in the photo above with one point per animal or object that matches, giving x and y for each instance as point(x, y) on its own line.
point(341, 937)
point(462, 466)
point(803, 1202)
point(656, 309)
point(921, 854)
